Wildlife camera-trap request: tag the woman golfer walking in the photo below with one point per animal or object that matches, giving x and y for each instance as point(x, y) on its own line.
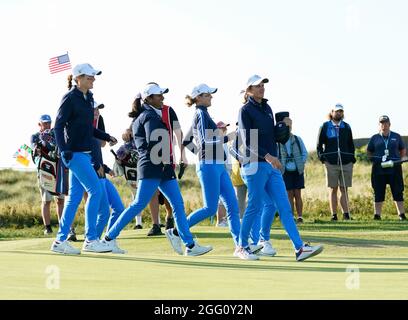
point(261, 171)
point(214, 178)
point(155, 170)
point(74, 132)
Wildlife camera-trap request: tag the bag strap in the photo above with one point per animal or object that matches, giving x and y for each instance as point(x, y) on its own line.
point(298, 143)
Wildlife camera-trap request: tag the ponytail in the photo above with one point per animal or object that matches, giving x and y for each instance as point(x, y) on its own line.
point(246, 97)
point(189, 101)
point(70, 82)
point(136, 107)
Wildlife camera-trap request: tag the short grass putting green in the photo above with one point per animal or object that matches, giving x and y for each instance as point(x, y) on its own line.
point(360, 261)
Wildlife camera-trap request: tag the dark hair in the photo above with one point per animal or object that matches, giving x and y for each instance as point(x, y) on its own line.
point(70, 77)
point(136, 108)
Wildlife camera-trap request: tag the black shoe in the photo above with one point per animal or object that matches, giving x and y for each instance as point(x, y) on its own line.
point(402, 216)
point(72, 235)
point(334, 217)
point(169, 223)
point(346, 216)
point(299, 220)
point(138, 226)
point(377, 217)
point(155, 231)
point(47, 230)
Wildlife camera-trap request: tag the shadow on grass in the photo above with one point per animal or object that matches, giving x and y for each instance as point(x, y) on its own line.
point(347, 242)
point(338, 241)
point(309, 266)
point(321, 225)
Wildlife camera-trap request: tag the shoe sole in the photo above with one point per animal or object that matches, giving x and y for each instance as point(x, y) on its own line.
point(155, 234)
point(312, 254)
point(267, 254)
point(88, 250)
point(121, 252)
point(200, 254)
point(256, 250)
point(255, 259)
point(177, 250)
point(67, 253)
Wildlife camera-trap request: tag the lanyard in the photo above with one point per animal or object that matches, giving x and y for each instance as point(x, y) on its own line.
point(386, 140)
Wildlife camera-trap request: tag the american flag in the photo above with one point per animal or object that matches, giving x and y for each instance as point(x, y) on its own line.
point(60, 63)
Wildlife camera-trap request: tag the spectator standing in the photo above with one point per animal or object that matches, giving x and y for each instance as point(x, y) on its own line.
point(335, 149)
point(384, 146)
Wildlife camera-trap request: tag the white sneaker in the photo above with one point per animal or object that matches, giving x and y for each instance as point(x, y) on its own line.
point(222, 224)
point(197, 250)
point(267, 249)
point(112, 244)
point(64, 247)
point(255, 248)
point(95, 246)
point(174, 240)
point(308, 251)
point(245, 254)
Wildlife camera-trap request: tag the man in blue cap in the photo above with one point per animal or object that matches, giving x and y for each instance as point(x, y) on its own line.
point(43, 143)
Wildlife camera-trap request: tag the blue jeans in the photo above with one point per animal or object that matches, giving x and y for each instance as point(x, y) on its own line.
point(145, 190)
point(264, 181)
point(216, 184)
point(82, 178)
point(110, 199)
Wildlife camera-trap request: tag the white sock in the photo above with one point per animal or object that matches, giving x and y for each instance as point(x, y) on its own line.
point(139, 219)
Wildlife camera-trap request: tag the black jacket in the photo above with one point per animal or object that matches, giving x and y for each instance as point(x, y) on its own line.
point(328, 143)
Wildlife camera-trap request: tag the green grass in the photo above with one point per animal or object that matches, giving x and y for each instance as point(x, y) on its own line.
point(20, 200)
point(151, 269)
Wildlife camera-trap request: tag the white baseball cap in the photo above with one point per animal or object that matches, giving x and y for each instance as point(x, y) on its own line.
point(86, 69)
point(338, 107)
point(202, 88)
point(153, 88)
point(255, 80)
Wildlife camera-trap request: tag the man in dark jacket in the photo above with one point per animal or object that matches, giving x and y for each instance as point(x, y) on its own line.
point(335, 148)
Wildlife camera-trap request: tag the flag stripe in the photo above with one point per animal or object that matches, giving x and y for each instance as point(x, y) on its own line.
point(59, 63)
point(62, 68)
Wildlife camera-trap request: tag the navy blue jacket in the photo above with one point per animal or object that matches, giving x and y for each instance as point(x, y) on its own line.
point(258, 116)
point(150, 164)
point(328, 143)
point(96, 152)
point(207, 136)
point(74, 123)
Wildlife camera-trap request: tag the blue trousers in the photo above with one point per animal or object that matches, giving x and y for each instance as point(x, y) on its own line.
point(145, 190)
point(110, 200)
point(264, 181)
point(82, 178)
point(261, 228)
point(216, 184)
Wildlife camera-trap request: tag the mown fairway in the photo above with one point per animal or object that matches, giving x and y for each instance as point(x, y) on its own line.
point(360, 261)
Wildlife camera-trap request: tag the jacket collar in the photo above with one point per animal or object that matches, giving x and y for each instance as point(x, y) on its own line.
point(255, 103)
point(79, 93)
point(202, 108)
point(149, 108)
